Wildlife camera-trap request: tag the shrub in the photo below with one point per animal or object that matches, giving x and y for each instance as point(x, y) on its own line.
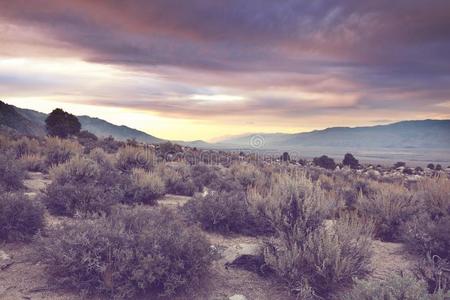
point(110, 145)
point(77, 170)
point(245, 174)
point(33, 162)
point(390, 206)
point(225, 212)
point(145, 187)
point(59, 151)
point(430, 166)
point(435, 194)
point(423, 235)
point(131, 253)
point(84, 200)
point(294, 205)
point(81, 187)
point(306, 250)
point(129, 158)
point(429, 231)
point(177, 179)
point(88, 140)
point(101, 157)
point(438, 167)
point(351, 161)
point(203, 175)
point(395, 287)
point(324, 162)
point(435, 271)
point(20, 218)
point(12, 172)
point(26, 146)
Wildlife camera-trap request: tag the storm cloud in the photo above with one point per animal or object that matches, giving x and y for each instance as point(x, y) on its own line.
point(285, 58)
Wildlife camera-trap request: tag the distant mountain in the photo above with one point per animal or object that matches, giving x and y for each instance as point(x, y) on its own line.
point(406, 134)
point(31, 122)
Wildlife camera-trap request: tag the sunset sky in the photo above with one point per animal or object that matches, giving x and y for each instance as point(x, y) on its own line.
point(203, 69)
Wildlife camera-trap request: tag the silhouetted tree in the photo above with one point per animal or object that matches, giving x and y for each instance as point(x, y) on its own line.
point(399, 164)
point(351, 161)
point(62, 124)
point(285, 157)
point(325, 162)
point(430, 166)
point(438, 167)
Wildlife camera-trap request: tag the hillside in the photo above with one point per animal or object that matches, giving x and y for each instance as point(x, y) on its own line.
point(11, 118)
point(31, 122)
point(406, 134)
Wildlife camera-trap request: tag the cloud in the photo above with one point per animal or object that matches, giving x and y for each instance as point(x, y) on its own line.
point(284, 58)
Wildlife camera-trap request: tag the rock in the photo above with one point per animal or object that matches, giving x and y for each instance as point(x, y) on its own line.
point(248, 256)
point(237, 297)
point(31, 195)
point(4, 255)
point(232, 254)
point(5, 260)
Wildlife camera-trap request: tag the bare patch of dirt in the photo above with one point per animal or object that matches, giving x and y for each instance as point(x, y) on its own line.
point(224, 282)
point(25, 279)
point(36, 182)
point(173, 201)
point(390, 258)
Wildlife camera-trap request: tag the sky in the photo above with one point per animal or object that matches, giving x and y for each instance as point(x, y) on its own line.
point(202, 69)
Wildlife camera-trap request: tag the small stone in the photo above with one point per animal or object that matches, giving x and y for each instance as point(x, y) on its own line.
point(232, 254)
point(237, 297)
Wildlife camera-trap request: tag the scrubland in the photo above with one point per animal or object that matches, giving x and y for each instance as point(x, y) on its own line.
point(100, 228)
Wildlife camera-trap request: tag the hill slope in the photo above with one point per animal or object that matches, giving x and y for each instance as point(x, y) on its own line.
point(31, 122)
point(11, 118)
point(405, 134)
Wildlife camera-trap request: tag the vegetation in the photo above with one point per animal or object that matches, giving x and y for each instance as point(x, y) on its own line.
point(62, 124)
point(390, 206)
point(130, 157)
point(306, 250)
point(226, 212)
point(58, 151)
point(145, 187)
point(135, 251)
point(80, 187)
point(317, 222)
point(12, 172)
point(429, 230)
point(395, 287)
point(20, 218)
point(324, 162)
point(351, 161)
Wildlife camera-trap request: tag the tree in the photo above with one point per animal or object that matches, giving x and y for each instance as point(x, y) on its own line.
point(62, 124)
point(399, 164)
point(350, 160)
point(325, 162)
point(285, 157)
point(430, 166)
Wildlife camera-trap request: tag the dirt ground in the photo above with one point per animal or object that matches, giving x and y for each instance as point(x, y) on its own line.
point(26, 279)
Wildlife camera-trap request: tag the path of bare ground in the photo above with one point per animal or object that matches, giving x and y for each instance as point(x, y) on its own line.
point(25, 279)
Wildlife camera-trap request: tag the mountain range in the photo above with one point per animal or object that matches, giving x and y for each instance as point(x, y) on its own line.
point(405, 134)
point(423, 134)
